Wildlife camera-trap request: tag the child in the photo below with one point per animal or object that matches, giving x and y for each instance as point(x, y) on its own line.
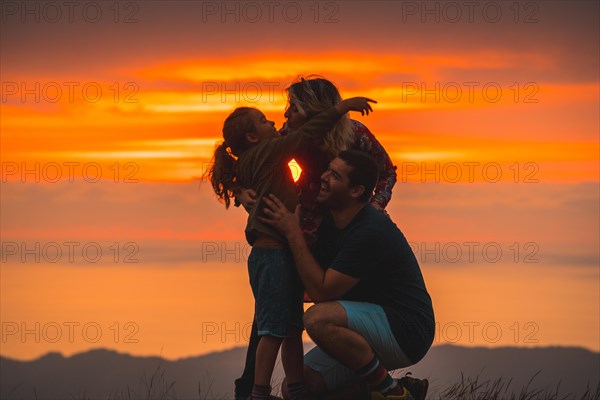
point(261, 157)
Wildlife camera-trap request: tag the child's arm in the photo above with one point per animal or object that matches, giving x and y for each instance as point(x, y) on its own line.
point(316, 128)
point(355, 104)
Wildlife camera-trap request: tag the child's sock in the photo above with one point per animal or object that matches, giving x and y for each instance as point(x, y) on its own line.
point(261, 392)
point(296, 391)
point(377, 377)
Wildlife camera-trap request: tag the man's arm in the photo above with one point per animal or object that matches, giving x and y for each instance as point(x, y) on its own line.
point(321, 285)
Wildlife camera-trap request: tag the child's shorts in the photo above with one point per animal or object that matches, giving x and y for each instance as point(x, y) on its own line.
point(277, 290)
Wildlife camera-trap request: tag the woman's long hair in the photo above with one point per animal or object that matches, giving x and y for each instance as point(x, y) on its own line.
point(222, 169)
point(315, 94)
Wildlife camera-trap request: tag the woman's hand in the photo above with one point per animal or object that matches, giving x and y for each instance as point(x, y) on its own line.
point(280, 218)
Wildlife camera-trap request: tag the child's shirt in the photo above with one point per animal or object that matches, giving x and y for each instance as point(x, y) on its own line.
point(264, 168)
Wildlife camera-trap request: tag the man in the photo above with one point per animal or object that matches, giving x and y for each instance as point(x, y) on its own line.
point(372, 312)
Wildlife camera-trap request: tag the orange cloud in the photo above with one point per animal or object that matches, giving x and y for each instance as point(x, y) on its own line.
point(169, 132)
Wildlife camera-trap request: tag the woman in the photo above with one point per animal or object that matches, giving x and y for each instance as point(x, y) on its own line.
point(307, 98)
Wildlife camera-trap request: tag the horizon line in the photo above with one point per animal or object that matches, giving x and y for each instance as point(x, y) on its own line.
point(118, 352)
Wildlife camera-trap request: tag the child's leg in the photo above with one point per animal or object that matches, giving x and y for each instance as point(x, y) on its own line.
point(292, 358)
point(292, 355)
point(270, 279)
point(292, 351)
point(263, 265)
point(244, 384)
point(266, 355)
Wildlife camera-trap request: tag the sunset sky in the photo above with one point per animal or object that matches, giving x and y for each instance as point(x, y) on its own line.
point(110, 113)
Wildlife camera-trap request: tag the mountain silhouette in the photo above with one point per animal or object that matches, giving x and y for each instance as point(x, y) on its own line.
point(102, 374)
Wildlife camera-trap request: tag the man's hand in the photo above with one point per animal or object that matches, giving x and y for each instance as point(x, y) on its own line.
point(247, 197)
point(355, 104)
point(280, 218)
point(320, 285)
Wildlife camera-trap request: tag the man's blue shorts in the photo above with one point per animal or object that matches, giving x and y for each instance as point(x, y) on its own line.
point(371, 322)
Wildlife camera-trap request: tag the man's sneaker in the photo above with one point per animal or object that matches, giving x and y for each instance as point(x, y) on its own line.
point(404, 396)
point(416, 387)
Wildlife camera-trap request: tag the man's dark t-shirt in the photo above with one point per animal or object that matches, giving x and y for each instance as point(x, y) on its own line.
point(373, 249)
